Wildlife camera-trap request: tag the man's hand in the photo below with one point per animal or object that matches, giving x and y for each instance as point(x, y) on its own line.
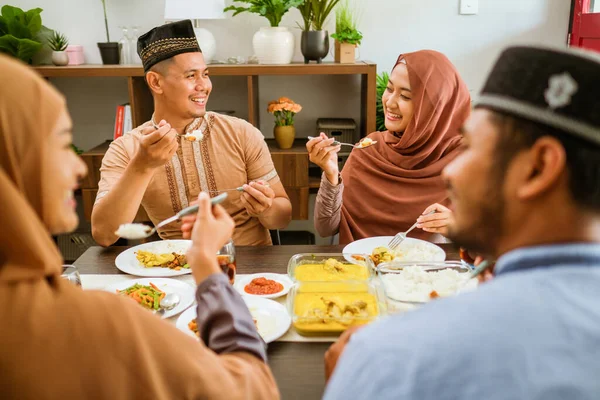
point(257, 198)
point(335, 350)
point(157, 146)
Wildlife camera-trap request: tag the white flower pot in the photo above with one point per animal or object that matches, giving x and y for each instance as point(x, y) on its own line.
point(60, 58)
point(273, 45)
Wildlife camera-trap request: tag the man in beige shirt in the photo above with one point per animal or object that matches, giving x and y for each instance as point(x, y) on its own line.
point(166, 162)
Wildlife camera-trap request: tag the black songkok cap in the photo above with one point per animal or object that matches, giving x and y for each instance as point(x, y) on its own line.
point(558, 88)
point(167, 41)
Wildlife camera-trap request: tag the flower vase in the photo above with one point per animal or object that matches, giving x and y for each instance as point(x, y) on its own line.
point(284, 136)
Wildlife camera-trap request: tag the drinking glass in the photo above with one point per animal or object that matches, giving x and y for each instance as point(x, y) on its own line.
point(226, 259)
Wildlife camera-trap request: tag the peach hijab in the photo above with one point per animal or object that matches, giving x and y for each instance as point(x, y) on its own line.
point(387, 186)
point(57, 341)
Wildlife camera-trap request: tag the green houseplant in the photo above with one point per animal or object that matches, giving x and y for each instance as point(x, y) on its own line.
point(382, 82)
point(346, 35)
point(315, 42)
point(20, 32)
point(109, 51)
point(58, 43)
point(273, 44)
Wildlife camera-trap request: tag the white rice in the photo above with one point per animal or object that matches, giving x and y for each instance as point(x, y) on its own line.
point(417, 252)
point(133, 231)
point(413, 283)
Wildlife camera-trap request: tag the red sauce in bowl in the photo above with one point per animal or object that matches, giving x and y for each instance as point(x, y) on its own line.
point(263, 286)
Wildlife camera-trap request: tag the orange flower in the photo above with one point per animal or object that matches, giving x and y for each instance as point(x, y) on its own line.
point(296, 108)
point(285, 100)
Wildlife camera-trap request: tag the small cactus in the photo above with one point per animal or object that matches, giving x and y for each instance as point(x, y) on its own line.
point(58, 41)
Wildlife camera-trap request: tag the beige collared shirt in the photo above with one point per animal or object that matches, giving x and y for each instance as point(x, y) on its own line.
point(231, 153)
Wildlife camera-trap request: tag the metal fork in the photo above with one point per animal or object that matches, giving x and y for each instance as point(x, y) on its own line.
point(399, 238)
point(237, 189)
point(335, 142)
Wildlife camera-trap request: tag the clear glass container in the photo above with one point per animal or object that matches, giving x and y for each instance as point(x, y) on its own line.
point(124, 47)
point(227, 261)
point(71, 273)
point(134, 57)
point(330, 267)
point(329, 308)
point(408, 285)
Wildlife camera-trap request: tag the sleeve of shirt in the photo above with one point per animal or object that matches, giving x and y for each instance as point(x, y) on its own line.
point(328, 207)
point(114, 163)
point(259, 164)
point(224, 322)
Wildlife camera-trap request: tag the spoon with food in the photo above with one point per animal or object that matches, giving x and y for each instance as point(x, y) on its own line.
point(362, 144)
point(136, 231)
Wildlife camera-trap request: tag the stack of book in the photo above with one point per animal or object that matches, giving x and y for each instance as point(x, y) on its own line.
point(123, 121)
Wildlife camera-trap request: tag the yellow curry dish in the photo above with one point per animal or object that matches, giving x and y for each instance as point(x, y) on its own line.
point(330, 313)
point(330, 270)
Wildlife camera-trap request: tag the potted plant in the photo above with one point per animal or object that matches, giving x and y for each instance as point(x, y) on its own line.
point(58, 43)
point(109, 51)
point(346, 36)
point(382, 82)
point(284, 111)
point(20, 32)
point(274, 44)
point(315, 43)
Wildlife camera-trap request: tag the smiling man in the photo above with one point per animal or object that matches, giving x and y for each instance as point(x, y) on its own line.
point(525, 190)
point(166, 162)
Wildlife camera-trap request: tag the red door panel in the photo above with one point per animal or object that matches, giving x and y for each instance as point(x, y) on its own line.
point(585, 30)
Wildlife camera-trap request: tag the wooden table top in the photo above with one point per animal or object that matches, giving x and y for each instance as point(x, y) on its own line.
point(297, 366)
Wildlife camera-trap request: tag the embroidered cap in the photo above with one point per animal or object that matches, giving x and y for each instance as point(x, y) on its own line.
point(558, 88)
point(167, 41)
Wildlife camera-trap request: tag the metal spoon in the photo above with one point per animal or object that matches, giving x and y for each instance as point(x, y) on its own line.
point(150, 231)
point(169, 302)
point(356, 146)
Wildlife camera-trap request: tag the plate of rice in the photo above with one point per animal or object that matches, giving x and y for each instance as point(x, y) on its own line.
point(410, 250)
point(407, 285)
point(162, 258)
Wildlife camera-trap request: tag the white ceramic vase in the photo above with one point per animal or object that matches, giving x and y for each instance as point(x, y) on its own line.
point(60, 58)
point(273, 45)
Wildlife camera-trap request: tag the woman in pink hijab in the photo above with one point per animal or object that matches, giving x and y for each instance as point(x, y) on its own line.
point(384, 188)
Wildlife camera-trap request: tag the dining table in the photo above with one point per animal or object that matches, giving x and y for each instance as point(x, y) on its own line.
point(297, 366)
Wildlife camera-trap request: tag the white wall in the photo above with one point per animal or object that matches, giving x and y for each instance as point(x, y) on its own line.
point(390, 27)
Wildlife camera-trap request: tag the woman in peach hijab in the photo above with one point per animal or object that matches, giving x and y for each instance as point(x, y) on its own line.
point(385, 187)
point(58, 341)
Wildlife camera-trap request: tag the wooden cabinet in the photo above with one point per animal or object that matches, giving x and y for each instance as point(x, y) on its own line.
point(292, 165)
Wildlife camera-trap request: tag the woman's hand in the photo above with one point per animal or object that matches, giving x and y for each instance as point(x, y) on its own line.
point(212, 229)
point(436, 222)
point(322, 153)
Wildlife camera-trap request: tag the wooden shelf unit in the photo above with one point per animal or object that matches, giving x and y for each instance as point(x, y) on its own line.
point(292, 165)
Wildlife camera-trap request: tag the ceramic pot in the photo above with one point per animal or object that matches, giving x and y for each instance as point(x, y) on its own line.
point(60, 58)
point(273, 45)
point(109, 53)
point(284, 136)
point(314, 45)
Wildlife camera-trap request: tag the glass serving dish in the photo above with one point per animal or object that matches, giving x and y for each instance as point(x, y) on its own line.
point(330, 267)
point(409, 285)
point(329, 308)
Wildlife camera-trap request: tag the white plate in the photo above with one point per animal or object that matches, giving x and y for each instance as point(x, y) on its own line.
point(287, 283)
point(128, 263)
point(186, 292)
point(415, 249)
point(272, 318)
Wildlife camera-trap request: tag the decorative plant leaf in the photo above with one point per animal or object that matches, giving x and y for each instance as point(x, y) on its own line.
point(382, 82)
point(23, 49)
point(272, 10)
point(18, 32)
